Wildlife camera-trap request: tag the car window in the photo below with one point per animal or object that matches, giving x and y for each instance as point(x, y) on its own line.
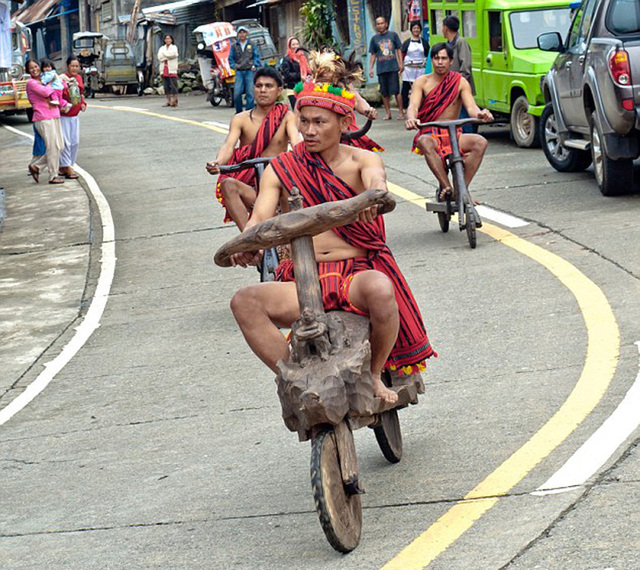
point(526, 26)
point(495, 31)
point(581, 26)
point(623, 17)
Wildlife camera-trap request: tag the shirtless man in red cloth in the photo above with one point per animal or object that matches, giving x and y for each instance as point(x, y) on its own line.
point(357, 270)
point(439, 96)
point(265, 130)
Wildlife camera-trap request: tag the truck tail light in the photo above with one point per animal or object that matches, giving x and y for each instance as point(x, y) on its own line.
point(619, 67)
point(627, 104)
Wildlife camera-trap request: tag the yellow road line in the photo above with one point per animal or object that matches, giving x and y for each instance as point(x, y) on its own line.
point(161, 116)
point(603, 346)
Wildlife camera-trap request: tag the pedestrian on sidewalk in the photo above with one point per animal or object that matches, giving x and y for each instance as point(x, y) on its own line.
point(46, 118)
point(168, 58)
point(385, 53)
point(244, 58)
point(73, 93)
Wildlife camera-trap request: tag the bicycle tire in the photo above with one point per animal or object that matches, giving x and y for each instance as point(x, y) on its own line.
point(340, 513)
point(443, 217)
point(470, 224)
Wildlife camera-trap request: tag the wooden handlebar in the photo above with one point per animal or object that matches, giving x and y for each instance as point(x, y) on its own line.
point(305, 222)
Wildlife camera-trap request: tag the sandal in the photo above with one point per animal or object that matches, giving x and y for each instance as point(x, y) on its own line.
point(56, 181)
point(34, 171)
point(72, 176)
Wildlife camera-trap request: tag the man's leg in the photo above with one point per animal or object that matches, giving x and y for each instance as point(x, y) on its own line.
point(238, 90)
point(387, 108)
point(429, 147)
point(473, 148)
point(248, 82)
point(259, 310)
point(373, 293)
point(238, 200)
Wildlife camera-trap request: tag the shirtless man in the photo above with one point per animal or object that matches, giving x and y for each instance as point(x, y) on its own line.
point(356, 268)
point(265, 130)
point(439, 96)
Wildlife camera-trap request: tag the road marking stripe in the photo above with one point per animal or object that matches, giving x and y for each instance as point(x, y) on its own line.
point(161, 116)
point(215, 123)
point(600, 364)
point(485, 212)
point(596, 451)
point(91, 320)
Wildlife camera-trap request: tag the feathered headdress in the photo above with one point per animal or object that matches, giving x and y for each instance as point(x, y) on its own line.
point(329, 67)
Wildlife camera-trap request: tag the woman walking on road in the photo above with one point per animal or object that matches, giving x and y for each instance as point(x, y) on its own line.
point(294, 68)
point(415, 51)
point(168, 58)
point(46, 118)
point(69, 119)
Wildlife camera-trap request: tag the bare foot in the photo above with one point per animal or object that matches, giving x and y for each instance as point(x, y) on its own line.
point(444, 192)
point(381, 391)
point(401, 118)
point(387, 118)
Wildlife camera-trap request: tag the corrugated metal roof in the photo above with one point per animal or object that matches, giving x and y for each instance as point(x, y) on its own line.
point(36, 12)
point(172, 6)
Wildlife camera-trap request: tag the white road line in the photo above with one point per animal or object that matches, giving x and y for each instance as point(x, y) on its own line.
point(125, 108)
point(595, 452)
point(91, 320)
point(501, 218)
point(216, 124)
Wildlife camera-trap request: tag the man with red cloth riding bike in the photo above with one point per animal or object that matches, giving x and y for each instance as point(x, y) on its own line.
point(439, 96)
point(357, 270)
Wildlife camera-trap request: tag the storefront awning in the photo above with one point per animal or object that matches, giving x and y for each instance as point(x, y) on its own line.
point(37, 12)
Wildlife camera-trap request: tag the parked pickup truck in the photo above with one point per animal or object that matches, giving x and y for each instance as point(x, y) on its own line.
point(593, 94)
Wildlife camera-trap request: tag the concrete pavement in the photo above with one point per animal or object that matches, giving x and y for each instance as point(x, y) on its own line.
point(45, 256)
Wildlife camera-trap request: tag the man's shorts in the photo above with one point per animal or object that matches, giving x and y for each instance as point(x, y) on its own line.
point(389, 83)
point(442, 139)
point(335, 279)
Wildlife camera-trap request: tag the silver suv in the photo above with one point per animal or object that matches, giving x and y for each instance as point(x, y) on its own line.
point(593, 94)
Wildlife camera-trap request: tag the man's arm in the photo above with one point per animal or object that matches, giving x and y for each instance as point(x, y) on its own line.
point(257, 62)
point(464, 55)
point(226, 150)
point(232, 56)
point(414, 103)
point(293, 134)
point(373, 175)
point(263, 209)
point(398, 45)
point(470, 103)
point(373, 48)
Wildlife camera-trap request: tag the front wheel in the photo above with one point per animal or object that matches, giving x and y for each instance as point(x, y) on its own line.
point(340, 513)
point(470, 221)
point(613, 176)
point(524, 126)
point(563, 159)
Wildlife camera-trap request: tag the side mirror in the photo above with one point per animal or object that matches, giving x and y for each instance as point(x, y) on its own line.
point(550, 41)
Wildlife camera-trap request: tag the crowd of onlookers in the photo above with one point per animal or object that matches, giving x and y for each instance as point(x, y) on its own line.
point(57, 101)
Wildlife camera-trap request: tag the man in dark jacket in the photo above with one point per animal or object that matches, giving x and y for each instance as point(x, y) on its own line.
point(244, 58)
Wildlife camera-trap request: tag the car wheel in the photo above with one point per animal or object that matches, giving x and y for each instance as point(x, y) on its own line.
point(563, 159)
point(612, 176)
point(524, 126)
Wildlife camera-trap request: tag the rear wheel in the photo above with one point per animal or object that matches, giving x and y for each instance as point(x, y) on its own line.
point(340, 513)
point(561, 158)
point(389, 436)
point(524, 126)
point(613, 176)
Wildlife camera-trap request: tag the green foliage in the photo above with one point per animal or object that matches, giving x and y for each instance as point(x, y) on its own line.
point(317, 16)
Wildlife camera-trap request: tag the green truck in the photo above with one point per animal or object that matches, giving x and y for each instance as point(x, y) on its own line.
point(507, 64)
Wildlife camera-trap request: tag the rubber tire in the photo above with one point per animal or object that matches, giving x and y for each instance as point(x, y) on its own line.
point(389, 436)
point(215, 100)
point(561, 158)
point(340, 513)
point(524, 127)
point(613, 177)
point(470, 224)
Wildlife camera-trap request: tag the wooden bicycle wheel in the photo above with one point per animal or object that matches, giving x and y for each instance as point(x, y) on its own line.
point(340, 513)
point(389, 436)
point(444, 217)
point(470, 220)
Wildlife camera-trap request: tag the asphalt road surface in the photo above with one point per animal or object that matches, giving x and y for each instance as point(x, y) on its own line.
point(159, 443)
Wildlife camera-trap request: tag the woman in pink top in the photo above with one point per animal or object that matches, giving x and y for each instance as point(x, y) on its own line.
point(46, 118)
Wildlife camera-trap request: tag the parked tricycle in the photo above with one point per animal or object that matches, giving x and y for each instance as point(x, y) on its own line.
point(214, 45)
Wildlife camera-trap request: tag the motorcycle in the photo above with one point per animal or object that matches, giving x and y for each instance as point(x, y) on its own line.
point(214, 45)
point(88, 47)
point(221, 88)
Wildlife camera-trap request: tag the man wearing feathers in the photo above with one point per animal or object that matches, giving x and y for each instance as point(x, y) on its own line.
point(357, 270)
